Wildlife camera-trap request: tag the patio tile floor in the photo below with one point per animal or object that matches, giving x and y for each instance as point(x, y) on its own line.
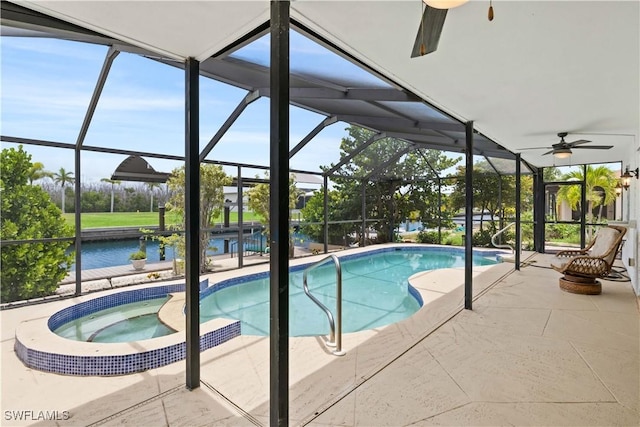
point(528, 354)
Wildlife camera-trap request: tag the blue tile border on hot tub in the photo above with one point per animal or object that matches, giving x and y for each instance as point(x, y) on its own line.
point(108, 365)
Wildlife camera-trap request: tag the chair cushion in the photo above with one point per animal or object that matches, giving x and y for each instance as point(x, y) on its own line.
point(605, 239)
point(560, 262)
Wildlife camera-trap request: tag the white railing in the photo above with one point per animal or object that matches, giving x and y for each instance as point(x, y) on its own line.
point(335, 326)
point(502, 245)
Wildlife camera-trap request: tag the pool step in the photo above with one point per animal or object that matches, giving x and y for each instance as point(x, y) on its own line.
point(172, 312)
point(507, 258)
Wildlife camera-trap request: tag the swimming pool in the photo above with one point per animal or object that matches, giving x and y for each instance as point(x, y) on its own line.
point(40, 348)
point(375, 291)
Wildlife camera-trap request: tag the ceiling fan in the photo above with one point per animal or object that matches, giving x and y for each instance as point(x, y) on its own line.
point(433, 15)
point(563, 148)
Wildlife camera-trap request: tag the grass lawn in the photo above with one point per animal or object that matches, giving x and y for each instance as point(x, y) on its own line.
point(137, 219)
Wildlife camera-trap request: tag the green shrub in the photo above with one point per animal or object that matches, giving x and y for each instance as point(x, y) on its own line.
point(29, 270)
point(427, 237)
point(568, 233)
point(138, 255)
point(453, 239)
point(482, 238)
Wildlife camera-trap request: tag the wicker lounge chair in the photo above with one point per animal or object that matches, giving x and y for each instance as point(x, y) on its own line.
point(581, 268)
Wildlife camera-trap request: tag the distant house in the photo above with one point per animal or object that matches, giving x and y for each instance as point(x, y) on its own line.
point(306, 183)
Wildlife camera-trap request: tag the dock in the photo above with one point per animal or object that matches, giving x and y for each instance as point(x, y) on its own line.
point(116, 271)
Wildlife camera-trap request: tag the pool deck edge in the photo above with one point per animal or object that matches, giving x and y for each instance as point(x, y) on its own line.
point(172, 312)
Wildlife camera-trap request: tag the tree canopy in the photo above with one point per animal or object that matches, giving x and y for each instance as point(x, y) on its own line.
point(212, 182)
point(37, 172)
point(259, 196)
point(493, 193)
point(399, 181)
point(313, 214)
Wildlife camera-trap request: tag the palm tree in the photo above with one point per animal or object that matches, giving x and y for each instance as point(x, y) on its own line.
point(112, 182)
point(37, 172)
point(600, 188)
point(63, 177)
point(152, 186)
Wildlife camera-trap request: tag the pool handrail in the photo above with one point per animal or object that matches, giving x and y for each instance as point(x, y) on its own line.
point(504, 246)
point(335, 337)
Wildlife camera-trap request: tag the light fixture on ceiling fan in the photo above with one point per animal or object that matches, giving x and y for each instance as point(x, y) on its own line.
point(433, 15)
point(562, 153)
point(444, 4)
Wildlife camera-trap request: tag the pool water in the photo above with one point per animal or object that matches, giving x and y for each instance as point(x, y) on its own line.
point(128, 322)
point(375, 293)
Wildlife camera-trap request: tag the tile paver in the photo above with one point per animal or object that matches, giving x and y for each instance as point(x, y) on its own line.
point(529, 354)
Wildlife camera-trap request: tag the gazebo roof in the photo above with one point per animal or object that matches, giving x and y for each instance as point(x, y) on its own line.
point(135, 168)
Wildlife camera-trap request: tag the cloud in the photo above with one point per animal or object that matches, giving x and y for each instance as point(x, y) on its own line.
point(47, 86)
point(20, 46)
point(141, 100)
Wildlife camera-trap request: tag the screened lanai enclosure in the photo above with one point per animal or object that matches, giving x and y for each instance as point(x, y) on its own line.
point(396, 161)
point(393, 147)
point(283, 102)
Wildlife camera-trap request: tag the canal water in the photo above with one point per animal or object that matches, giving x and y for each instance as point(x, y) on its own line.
point(111, 253)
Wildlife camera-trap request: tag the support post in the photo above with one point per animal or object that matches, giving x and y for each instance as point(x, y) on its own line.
point(78, 223)
point(192, 222)
point(583, 207)
point(538, 210)
point(326, 215)
point(439, 210)
point(518, 212)
point(468, 235)
point(279, 215)
point(226, 216)
point(240, 220)
point(161, 228)
point(500, 209)
point(363, 239)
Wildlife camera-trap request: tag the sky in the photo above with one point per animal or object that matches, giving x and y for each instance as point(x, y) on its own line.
point(46, 87)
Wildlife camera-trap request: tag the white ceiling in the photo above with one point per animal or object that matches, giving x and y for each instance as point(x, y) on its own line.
point(541, 67)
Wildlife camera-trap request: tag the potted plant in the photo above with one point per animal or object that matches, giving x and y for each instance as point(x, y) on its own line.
point(138, 259)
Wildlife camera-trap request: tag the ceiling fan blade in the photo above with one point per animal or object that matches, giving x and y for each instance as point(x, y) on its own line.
point(534, 148)
point(595, 147)
point(429, 31)
point(578, 142)
point(548, 152)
